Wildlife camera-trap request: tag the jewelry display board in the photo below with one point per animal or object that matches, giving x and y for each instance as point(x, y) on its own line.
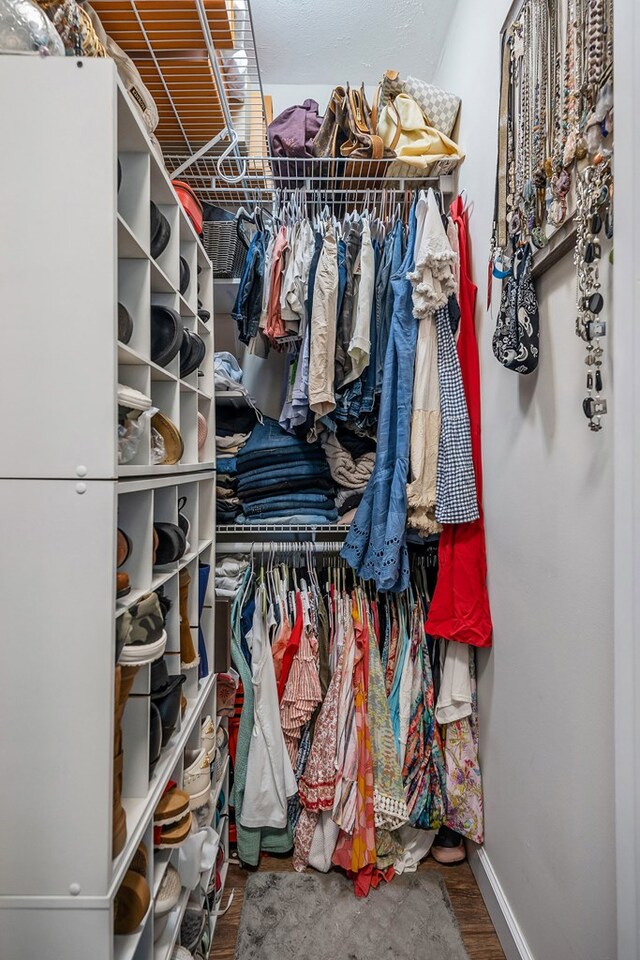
point(554, 177)
point(556, 102)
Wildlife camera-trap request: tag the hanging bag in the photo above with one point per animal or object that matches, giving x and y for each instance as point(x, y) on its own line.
point(516, 340)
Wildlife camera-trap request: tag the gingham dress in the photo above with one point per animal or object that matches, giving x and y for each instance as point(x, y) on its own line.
point(456, 498)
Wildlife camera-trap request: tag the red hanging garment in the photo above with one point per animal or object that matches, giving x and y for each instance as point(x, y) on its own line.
point(460, 606)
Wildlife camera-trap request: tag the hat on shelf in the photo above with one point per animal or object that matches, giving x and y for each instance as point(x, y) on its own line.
point(171, 438)
point(132, 399)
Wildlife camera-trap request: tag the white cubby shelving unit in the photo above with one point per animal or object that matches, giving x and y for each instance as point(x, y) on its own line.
point(73, 246)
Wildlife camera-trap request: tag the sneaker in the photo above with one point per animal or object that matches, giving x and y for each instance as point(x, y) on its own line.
point(166, 899)
point(146, 638)
point(208, 738)
point(197, 778)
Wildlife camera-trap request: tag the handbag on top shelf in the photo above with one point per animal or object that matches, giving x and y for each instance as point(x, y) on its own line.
point(349, 129)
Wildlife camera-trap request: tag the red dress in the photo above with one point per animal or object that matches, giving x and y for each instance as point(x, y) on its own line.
point(460, 606)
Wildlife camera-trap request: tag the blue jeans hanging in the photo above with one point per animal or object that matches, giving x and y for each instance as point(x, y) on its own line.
point(376, 543)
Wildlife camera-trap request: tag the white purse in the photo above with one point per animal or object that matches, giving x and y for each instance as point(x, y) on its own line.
point(439, 107)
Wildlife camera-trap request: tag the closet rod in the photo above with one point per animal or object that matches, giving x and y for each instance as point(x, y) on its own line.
point(272, 546)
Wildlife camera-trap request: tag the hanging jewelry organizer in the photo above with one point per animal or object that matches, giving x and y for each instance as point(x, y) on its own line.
point(554, 181)
point(556, 73)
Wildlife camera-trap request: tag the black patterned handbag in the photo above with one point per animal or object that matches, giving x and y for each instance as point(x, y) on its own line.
point(516, 340)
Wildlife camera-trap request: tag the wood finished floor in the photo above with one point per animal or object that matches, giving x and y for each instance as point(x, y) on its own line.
point(477, 930)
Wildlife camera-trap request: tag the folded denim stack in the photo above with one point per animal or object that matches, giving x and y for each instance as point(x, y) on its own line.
point(351, 459)
point(283, 480)
point(233, 429)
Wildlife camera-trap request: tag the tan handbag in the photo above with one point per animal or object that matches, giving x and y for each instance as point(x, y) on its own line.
point(422, 151)
point(349, 130)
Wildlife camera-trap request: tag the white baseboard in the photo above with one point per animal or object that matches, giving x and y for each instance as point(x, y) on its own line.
point(509, 933)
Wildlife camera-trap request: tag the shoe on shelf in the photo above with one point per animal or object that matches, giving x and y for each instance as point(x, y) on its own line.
point(208, 738)
point(123, 547)
point(173, 805)
point(155, 737)
point(203, 816)
point(181, 953)
point(183, 521)
point(197, 777)
point(166, 694)
point(171, 543)
point(146, 637)
point(140, 860)
point(166, 899)
point(125, 324)
point(123, 682)
point(448, 847)
point(188, 655)
point(131, 903)
point(123, 585)
point(171, 818)
point(173, 834)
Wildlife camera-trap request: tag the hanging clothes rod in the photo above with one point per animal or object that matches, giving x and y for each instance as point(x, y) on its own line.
point(267, 546)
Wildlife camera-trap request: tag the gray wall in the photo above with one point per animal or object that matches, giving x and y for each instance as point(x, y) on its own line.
point(546, 689)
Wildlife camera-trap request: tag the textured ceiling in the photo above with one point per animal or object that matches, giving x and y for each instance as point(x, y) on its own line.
point(334, 41)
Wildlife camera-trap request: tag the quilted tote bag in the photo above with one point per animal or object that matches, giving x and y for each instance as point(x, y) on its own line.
point(516, 339)
point(439, 107)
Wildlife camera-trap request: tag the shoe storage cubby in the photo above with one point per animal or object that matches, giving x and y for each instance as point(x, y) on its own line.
point(163, 934)
point(61, 476)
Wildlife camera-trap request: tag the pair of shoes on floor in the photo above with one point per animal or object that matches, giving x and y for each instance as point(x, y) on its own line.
point(448, 847)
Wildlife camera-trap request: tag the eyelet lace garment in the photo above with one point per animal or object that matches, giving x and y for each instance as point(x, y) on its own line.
point(376, 543)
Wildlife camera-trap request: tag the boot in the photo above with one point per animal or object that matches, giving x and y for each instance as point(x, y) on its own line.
point(188, 655)
point(123, 682)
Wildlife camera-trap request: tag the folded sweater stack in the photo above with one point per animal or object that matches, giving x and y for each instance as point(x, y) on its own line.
point(351, 459)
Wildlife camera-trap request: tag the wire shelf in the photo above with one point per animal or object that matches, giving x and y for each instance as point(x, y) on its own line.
point(199, 61)
point(240, 529)
point(331, 182)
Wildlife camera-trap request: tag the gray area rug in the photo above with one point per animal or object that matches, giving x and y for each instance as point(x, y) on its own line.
point(313, 916)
